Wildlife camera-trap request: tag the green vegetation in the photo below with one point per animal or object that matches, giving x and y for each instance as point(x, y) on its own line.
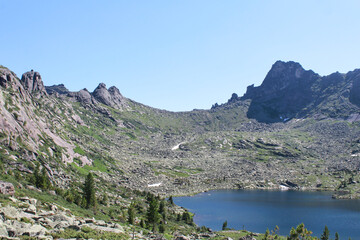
point(89, 199)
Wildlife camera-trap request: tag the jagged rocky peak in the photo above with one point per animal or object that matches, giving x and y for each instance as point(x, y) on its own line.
point(285, 90)
point(7, 78)
point(283, 75)
point(82, 96)
point(110, 97)
point(60, 89)
point(102, 95)
point(32, 82)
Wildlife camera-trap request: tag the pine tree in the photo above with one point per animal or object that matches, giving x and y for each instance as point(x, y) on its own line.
point(131, 214)
point(337, 236)
point(142, 223)
point(326, 234)
point(89, 191)
point(162, 228)
point(152, 214)
point(224, 226)
point(171, 201)
point(266, 235)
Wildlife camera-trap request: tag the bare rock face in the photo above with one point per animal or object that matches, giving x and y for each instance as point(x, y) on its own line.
point(110, 97)
point(9, 80)
point(83, 96)
point(102, 95)
point(7, 188)
point(355, 89)
point(116, 96)
point(32, 82)
point(60, 89)
point(285, 91)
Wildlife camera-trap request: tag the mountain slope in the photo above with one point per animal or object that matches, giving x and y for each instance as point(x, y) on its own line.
point(288, 91)
point(244, 143)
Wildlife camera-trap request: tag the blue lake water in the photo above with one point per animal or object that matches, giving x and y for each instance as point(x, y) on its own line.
point(257, 210)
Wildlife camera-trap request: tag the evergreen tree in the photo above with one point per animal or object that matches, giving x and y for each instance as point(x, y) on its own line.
point(105, 199)
point(44, 179)
point(224, 226)
point(131, 214)
point(326, 234)
point(152, 214)
point(162, 210)
point(337, 236)
point(293, 234)
point(267, 234)
point(37, 179)
point(171, 201)
point(89, 191)
point(142, 223)
point(162, 228)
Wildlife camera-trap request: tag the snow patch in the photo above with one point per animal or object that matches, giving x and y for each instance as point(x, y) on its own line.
point(154, 185)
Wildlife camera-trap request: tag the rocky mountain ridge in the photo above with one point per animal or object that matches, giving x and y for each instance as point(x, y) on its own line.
point(233, 145)
point(289, 91)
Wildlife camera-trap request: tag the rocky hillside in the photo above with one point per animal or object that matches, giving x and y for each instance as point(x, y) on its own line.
point(297, 129)
point(288, 91)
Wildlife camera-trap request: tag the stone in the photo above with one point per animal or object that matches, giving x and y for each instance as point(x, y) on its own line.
point(10, 212)
point(33, 201)
point(33, 83)
point(60, 89)
point(7, 188)
point(101, 223)
point(83, 96)
point(31, 209)
point(14, 200)
point(3, 231)
point(74, 227)
point(182, 237)
point(53, 208)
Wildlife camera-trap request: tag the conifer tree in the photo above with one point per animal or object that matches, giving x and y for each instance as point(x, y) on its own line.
point(89, 191)
point(224, 226)
point(337, 236)
point(326, 234)
point(152, 214)
point(171, 201)
point(131, 214)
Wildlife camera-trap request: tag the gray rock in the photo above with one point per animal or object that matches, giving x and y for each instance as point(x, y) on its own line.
point(102, 95)
point(31, 209)
point(3, 231)
point(7, 188)
point(10, 212)
point(32, 82)
point(33, 201)
point(100, 223)
point(111, 97)
point(60, 89)
point(83, 96)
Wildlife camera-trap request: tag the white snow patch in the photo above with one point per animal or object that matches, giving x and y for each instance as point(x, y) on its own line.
point(177, 146)
point(154, 185)
point(284, 188)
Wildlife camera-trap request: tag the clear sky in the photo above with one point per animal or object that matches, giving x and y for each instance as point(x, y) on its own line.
point(176, 55)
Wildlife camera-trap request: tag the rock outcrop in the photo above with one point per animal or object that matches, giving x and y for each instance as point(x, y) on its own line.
point(32, 82)
point(285, 91)
point(60, 89)
point(355, 88)
point(7, 188)
point(83, 96)
point(111, 97)
point(289, 91)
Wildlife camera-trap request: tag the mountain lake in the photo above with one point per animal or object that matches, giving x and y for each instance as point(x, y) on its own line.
point(257, 210)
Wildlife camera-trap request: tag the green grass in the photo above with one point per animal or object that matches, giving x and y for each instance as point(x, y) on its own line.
point(78, 150)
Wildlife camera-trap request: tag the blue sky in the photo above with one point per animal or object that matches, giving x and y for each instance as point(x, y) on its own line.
point(176, 55)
